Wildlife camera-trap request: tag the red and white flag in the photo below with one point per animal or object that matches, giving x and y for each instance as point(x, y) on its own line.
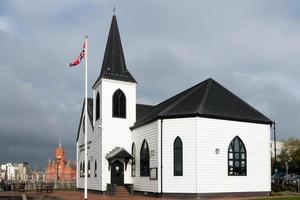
point(79, 58)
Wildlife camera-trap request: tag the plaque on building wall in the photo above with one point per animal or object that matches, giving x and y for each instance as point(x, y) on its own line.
point(153, 173)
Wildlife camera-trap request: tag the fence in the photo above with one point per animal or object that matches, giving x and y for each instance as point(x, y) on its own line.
point(32, 186)
point(281, 186)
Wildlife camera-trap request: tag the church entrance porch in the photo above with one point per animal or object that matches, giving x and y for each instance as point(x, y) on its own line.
point(117, 173)
point(118, 159)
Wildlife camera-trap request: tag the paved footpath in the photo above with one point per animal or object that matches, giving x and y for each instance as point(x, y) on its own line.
point(77, 195)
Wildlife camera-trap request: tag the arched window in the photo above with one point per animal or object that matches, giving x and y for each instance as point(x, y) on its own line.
point(97, 106)
point(95, 172)
point(178, 158)
point(237, 158)
point(89, 169)
point(144, 160)
point(133, 160)
point(83, 169)
point(83, 124)
point(80, 169)
point(119, 104)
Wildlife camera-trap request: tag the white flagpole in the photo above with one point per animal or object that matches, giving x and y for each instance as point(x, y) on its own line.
point(85, 121)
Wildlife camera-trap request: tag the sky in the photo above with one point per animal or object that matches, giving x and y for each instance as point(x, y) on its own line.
point(250, 47)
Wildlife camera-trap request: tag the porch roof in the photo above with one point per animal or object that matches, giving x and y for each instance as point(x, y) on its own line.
point(118, 152)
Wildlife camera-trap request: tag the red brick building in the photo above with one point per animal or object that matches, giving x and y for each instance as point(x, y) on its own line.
point(60, 169)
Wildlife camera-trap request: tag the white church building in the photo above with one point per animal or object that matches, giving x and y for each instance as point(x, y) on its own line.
point(202, 141)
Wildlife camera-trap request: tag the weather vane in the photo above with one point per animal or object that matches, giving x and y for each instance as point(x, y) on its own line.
point(114, 9)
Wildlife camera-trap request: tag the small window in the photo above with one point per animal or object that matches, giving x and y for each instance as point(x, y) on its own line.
point(178, 158)
point(97, 106)
point(83, 169)
point(133, 160)
point(83, 124)
point(95, 172)
point(144, 159)
point(80, 174)
point(237, 158)
point(89, 169)
point(119, 104)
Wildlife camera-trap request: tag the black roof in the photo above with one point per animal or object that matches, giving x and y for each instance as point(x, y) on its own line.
point(207, 99)
point(90, 114)
point(141, 110)
point(114, 65)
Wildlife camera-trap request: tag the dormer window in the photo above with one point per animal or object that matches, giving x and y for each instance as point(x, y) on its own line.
point(119, 104)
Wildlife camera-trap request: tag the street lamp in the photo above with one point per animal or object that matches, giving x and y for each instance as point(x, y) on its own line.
point(275, 159)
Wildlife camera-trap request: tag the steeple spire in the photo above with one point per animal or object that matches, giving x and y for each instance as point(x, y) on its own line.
point(114, 65)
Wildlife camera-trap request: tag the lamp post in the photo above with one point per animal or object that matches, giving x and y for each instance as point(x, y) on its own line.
point(275, 156)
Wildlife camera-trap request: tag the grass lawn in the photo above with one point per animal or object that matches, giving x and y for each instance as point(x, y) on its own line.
point(281, 198)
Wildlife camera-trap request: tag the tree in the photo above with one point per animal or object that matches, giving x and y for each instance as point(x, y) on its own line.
point(290, 153)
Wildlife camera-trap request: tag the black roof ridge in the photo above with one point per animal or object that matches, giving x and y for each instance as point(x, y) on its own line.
point(204, 98)
point(170, 108)
point(172, 97)
point(251, 107)
point(189, 92)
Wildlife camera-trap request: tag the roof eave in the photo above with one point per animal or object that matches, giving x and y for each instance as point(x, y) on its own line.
point(267, 122)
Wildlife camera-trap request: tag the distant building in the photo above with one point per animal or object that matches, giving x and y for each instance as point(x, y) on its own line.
point(36, 176)
point(9, 171)
point(60, 169)
point(279, 145)
point(21, 171)
point(15, 171)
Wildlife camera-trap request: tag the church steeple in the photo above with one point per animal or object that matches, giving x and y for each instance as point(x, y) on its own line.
point(114, 65)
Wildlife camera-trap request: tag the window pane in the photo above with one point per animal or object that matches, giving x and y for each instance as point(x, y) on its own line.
point(243, 164)
point(236, 145)
point(236, 156)
point(242, 155)
point(236, 163)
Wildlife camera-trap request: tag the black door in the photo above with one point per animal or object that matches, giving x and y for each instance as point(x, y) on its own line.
point(117, 173)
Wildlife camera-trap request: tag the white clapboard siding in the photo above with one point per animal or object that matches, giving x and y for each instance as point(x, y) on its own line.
point(212, 168)
point(115, 131)
point(148, 132)
point(185, 128)
point(81, 158)
point(95, 150)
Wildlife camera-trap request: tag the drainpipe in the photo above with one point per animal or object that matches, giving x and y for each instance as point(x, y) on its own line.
point(161, 157)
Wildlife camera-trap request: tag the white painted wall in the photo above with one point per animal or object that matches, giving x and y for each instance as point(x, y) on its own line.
point(204, 171)
point(212, 168)
point(115, 131)
point(150, 133)
point(185, 128)
point(94, 153)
